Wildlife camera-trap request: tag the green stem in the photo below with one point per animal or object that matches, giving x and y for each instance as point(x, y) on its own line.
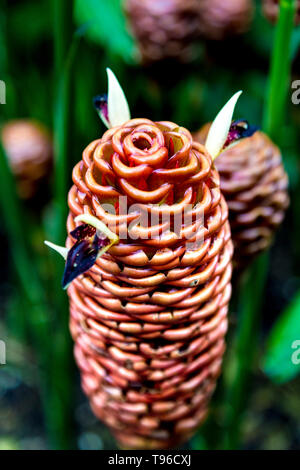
point(3, 40)
point(280, 71)
point(61, 406)
point(63, 31)
point(240, 360)
point(64, 55)
point(37, 315)
point(241, 357)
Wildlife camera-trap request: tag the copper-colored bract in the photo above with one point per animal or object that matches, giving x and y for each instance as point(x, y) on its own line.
point(29, 149)
point(149, 318)
point(271, 10)
point(254, 184)
point(222, 18)
point(164, 28)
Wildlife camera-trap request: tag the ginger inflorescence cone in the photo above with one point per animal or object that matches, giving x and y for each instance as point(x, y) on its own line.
point(149, 317)
point(164, 29)
point(224, 18)
point(169, 29)
point(255, 187)
point(29, 148)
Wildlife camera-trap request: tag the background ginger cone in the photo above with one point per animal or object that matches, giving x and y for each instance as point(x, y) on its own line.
point(164, 29)
point(271, 10)
point(255, 185)
point(149, 318)
point(28, 146)
point(222, 18)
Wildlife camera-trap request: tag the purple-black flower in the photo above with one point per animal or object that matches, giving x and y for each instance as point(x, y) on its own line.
point(83, 255)
point(239, 129)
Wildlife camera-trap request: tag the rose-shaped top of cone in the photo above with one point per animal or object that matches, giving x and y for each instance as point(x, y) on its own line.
point(151, 185)
point(28, 146)
point(254, 185)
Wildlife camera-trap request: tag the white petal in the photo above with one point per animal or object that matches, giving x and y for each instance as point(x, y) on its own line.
point(219, 129)
point(118, 109)
point(62, 250)
point(92, 220)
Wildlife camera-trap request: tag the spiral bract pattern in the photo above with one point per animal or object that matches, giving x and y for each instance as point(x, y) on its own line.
point(149, 318)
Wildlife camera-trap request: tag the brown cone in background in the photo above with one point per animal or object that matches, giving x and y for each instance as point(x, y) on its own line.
point(28, 146)
point(223, 18)
point(164, 29)
point(254, 184)
point(149, 318)
point(271, 10)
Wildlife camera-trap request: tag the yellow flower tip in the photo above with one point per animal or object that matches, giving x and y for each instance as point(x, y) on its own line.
point(95, 222)
point(219, 129)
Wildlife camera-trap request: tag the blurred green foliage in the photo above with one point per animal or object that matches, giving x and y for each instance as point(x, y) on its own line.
point(282, 361)
point(106, 26)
